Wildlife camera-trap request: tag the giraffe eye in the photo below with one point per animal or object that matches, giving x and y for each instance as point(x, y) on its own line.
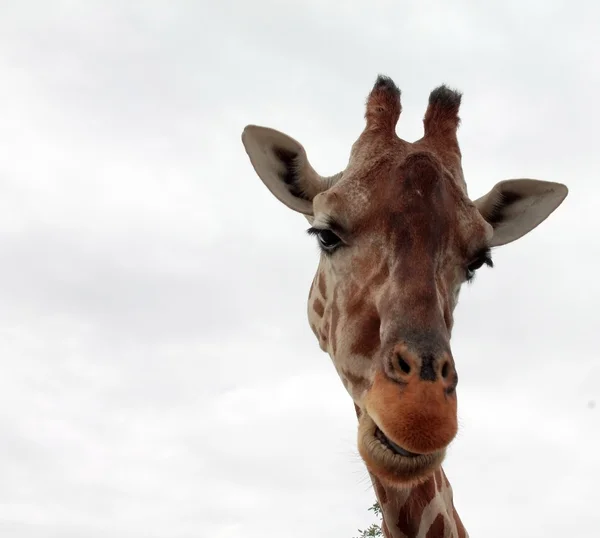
point(484, 258)
point(328, 241)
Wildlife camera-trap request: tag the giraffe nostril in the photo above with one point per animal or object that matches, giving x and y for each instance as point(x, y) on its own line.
point(445, 369)
point(404, 366)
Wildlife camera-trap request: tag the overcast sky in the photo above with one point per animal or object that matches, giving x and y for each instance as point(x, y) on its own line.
point(159, 378)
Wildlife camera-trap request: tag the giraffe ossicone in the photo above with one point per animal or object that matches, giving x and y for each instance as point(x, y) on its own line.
point(399, 236)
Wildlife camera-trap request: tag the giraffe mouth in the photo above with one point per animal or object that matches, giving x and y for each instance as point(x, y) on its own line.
point(391, 462)
point(388, 443)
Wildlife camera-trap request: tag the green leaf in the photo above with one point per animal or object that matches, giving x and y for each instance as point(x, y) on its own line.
point(374, 531)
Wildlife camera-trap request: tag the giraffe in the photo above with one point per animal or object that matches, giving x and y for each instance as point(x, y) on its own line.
point(398, 237)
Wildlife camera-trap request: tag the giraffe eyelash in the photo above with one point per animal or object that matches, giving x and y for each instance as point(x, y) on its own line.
point(483, 257)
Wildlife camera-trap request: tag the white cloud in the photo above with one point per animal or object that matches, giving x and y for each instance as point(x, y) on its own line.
point(159, 376)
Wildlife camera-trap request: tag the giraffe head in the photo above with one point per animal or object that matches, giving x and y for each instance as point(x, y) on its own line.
point(399, 236)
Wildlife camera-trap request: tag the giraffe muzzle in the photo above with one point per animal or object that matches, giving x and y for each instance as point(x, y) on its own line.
point(405, 427)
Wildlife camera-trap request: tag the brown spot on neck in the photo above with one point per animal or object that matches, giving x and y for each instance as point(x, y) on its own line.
point(403, 510)
point(411, 512)
point(437, 528)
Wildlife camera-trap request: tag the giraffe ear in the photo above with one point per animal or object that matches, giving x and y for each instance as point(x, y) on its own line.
point(514, 207)
point(282, 164)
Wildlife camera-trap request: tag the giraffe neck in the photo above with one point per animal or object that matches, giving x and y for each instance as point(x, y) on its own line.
point(424, 511)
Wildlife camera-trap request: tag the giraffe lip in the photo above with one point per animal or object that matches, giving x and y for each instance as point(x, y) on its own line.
point(390, 462)
point(393, 446)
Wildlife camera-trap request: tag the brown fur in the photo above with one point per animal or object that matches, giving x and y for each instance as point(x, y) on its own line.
point(462, 533)
point(368, 327)
point(380, 490)
point(334, 319)
point(438, 479)
point(437, 530)
point(409, 516)
point(318, 307)
point(404, 509)
point(359, 383)
point(383, 106)
point(322, 286)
